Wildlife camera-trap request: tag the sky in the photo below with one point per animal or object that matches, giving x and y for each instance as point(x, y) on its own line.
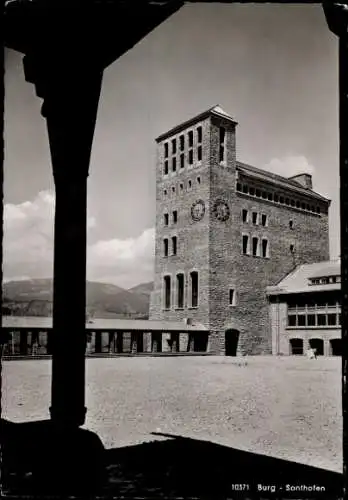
point(274, 68)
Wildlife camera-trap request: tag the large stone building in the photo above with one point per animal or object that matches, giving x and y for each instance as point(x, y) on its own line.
point(225, 231)
point(305, 310)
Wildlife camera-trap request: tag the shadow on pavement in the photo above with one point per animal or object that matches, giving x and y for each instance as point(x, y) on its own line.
point(40, 460)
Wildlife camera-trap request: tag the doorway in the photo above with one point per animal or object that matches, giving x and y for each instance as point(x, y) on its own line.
point(231, 342)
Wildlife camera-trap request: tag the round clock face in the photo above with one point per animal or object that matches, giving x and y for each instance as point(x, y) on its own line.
point(198, 210)
point(221, 210)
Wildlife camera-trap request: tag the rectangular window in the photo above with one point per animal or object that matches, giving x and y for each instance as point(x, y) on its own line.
point(182, 142)
point(166, 219)
point(298, 204)
point(199, 134)
point(174, 146)
point(189, 185)
point(264, 195)
point(252, 191)
point(254, 217)
point(167, 291)
point(199, 153)
point(190, 157)
point(255, 246)
point(166, 149)
point(292, 320)
point(166, 167)
point(232, 297)
point(174, 164)
point(174, 245)
point(301, 320)
point(322, 320)
point(281, 200)
point(245, 189)
point(175, 216)
point(270, 196)
point(311, 320)
point(245, 244)
point(264, 221)
point(276, 198)
point(239, 186)
point(265, 248)
point(182, 161)
point(180, 291)
point(245, 215)
point(222, 134)
point(165, 247)
point(258, 193)
point(194, 288)
point(190, 139)
point(331, 319)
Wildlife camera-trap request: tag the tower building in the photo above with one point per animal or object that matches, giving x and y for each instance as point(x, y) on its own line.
point(225, 231)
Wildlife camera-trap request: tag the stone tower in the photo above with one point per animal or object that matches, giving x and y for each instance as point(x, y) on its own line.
point(224, 232)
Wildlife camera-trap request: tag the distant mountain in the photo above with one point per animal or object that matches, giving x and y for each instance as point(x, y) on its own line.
point(143, 289)
point(34, 298)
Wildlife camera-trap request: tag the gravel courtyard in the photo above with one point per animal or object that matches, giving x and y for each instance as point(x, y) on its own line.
point(287, 407)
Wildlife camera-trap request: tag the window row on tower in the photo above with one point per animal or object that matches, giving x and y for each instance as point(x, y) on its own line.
point(174, 218)
point(176, 290)
point(255, 246)
point(182, 187)
point(173, 244)
point(183, 151)
point(255, 218)
point(277, 198)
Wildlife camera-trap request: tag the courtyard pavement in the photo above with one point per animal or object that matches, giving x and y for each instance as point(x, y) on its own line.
point(286, 407)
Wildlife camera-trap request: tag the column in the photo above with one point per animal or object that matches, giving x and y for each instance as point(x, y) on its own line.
point(183, 342)
point(147, 341)
point(134, 342)
point(70, 114)
point(190, 345)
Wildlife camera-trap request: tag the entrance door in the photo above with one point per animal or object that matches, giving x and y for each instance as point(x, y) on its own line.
point(317, 344)
point(296, 347)
point(231, 342)
point(336, 347)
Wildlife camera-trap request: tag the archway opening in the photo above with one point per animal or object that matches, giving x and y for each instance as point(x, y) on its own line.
point(231, 342)
point(296, 347)
point(336, 347)
point(200, 342)
point(317, 344)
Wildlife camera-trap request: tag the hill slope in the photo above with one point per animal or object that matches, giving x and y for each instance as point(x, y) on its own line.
point(34, 298)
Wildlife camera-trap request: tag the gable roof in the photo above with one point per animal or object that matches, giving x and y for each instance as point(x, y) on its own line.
point(298, 281)
point(278, 180)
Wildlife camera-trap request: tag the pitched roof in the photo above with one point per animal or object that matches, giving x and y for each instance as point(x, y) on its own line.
point(214, 110)
point(125, 325)
point(279, 180)
point(298, 280)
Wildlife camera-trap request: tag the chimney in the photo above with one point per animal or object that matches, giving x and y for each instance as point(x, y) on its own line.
point(305, 180)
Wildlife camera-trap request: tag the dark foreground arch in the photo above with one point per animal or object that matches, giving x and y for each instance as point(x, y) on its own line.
point(231, 342)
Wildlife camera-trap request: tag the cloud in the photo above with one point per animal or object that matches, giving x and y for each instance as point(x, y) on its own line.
point(289, 166)
point(28, 247)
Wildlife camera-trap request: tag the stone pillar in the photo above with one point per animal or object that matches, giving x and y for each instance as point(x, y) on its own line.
point(134, 342)
point(166, 342)
point(327, 348)
point(183, 342)
point(126, 342)
point(104, 342)
point(156, 341)
point(111, 341)
point(147, 341)
point(67, 110)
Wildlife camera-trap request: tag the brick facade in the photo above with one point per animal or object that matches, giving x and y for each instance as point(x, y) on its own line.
point(213, 245)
